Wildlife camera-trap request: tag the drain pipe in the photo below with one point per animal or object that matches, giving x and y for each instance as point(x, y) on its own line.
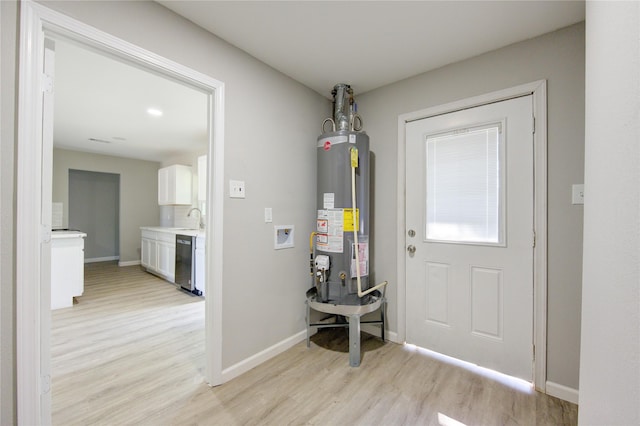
point(354, 164)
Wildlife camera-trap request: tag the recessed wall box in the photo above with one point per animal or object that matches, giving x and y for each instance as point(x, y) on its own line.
point(283, 236)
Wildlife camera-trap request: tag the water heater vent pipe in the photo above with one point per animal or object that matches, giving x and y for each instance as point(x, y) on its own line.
point(341, 119)
point(345, 111)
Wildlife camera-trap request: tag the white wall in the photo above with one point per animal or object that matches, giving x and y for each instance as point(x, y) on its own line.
point(610, 361)
point(271, 124)
point(138, 192)
point(557, 57)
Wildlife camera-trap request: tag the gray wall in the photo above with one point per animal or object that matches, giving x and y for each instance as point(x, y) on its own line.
point(94, 207)
point(610, 361)
point(260, 143)
point(557, 57)
point(271, 124)
point(138, 192)
point(8, 85)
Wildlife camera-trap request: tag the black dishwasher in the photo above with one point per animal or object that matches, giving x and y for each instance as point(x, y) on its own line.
point(185, 274)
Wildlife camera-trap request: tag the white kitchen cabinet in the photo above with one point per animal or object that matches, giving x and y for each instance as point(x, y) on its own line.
point(158, 253)
point(167, 260)
point(174, 185)
point(67, 267)
point(149, 256)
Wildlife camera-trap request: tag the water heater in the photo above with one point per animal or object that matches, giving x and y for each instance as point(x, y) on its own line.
point(342, 222)
point(340, 246)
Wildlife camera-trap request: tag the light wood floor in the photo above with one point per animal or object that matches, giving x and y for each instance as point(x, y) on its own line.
point(131, 353)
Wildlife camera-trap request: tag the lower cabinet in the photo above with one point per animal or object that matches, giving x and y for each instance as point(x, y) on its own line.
point(159, 253)
point(167, 258)
point(67, 270)
point(149, 255)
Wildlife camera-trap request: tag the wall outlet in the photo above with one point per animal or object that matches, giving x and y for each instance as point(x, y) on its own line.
point(577, 194)
point(236, 189)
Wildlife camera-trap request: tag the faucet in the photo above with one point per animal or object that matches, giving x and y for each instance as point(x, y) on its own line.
point(201, 223)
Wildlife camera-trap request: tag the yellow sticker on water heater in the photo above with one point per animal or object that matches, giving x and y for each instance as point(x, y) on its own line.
point(348, 220)
point(354, 157)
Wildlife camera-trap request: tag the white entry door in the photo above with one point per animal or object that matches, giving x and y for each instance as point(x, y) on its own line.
point(470, 235)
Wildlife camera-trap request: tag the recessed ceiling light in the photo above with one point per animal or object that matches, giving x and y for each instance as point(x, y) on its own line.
point(155, 112)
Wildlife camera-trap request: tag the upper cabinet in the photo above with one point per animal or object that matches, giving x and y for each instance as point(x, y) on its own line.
point(174, 185)
point(202, 178)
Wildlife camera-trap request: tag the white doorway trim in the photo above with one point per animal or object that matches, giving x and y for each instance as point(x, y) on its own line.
point(33, 227)
point(539, 91)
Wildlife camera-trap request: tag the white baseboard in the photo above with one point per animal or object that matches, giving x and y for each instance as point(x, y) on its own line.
point(101, 259)
point(392, 336)
point(129, 263)
point(265, 355)
point(562, 392)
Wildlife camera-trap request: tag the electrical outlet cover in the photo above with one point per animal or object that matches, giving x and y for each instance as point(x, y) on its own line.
point(577, 194)
point(236, 189)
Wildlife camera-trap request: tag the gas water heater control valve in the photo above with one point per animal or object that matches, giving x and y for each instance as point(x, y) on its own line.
point(322, 266)
point(322, 262)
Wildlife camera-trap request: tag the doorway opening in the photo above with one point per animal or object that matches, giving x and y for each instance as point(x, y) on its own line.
point(34, 199)
point(538, 91)
point(94, 208)
point(469, 273)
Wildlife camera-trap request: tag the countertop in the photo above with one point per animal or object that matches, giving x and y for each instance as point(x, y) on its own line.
point(67, 234)
point(182, 231)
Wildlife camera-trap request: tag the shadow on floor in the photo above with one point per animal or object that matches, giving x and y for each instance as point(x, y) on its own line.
point(337, 340)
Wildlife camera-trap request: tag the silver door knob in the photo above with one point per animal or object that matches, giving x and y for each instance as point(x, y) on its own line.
point(411, 249)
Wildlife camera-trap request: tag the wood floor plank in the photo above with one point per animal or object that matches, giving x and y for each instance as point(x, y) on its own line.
point(131, 352)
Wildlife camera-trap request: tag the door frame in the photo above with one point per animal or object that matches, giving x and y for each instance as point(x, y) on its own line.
point(538, 89)
point(32, 327)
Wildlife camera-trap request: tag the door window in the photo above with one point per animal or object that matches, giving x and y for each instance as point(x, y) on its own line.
point(465, 186)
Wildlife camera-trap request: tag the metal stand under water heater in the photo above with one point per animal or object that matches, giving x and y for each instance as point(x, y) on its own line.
point(339, 247)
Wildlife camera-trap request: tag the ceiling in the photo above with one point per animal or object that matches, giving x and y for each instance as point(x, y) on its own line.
point(367, 44)
point(101, 103)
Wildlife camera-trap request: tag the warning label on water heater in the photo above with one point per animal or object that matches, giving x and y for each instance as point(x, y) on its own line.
point(328, 200)
point(330, 228)
point(348, 220)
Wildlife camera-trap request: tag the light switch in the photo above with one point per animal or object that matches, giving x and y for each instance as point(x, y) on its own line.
point(236, 189)
point(577, 194)
point(268, 215)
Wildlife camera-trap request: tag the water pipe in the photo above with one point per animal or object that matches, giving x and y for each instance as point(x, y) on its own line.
point(354, 164)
